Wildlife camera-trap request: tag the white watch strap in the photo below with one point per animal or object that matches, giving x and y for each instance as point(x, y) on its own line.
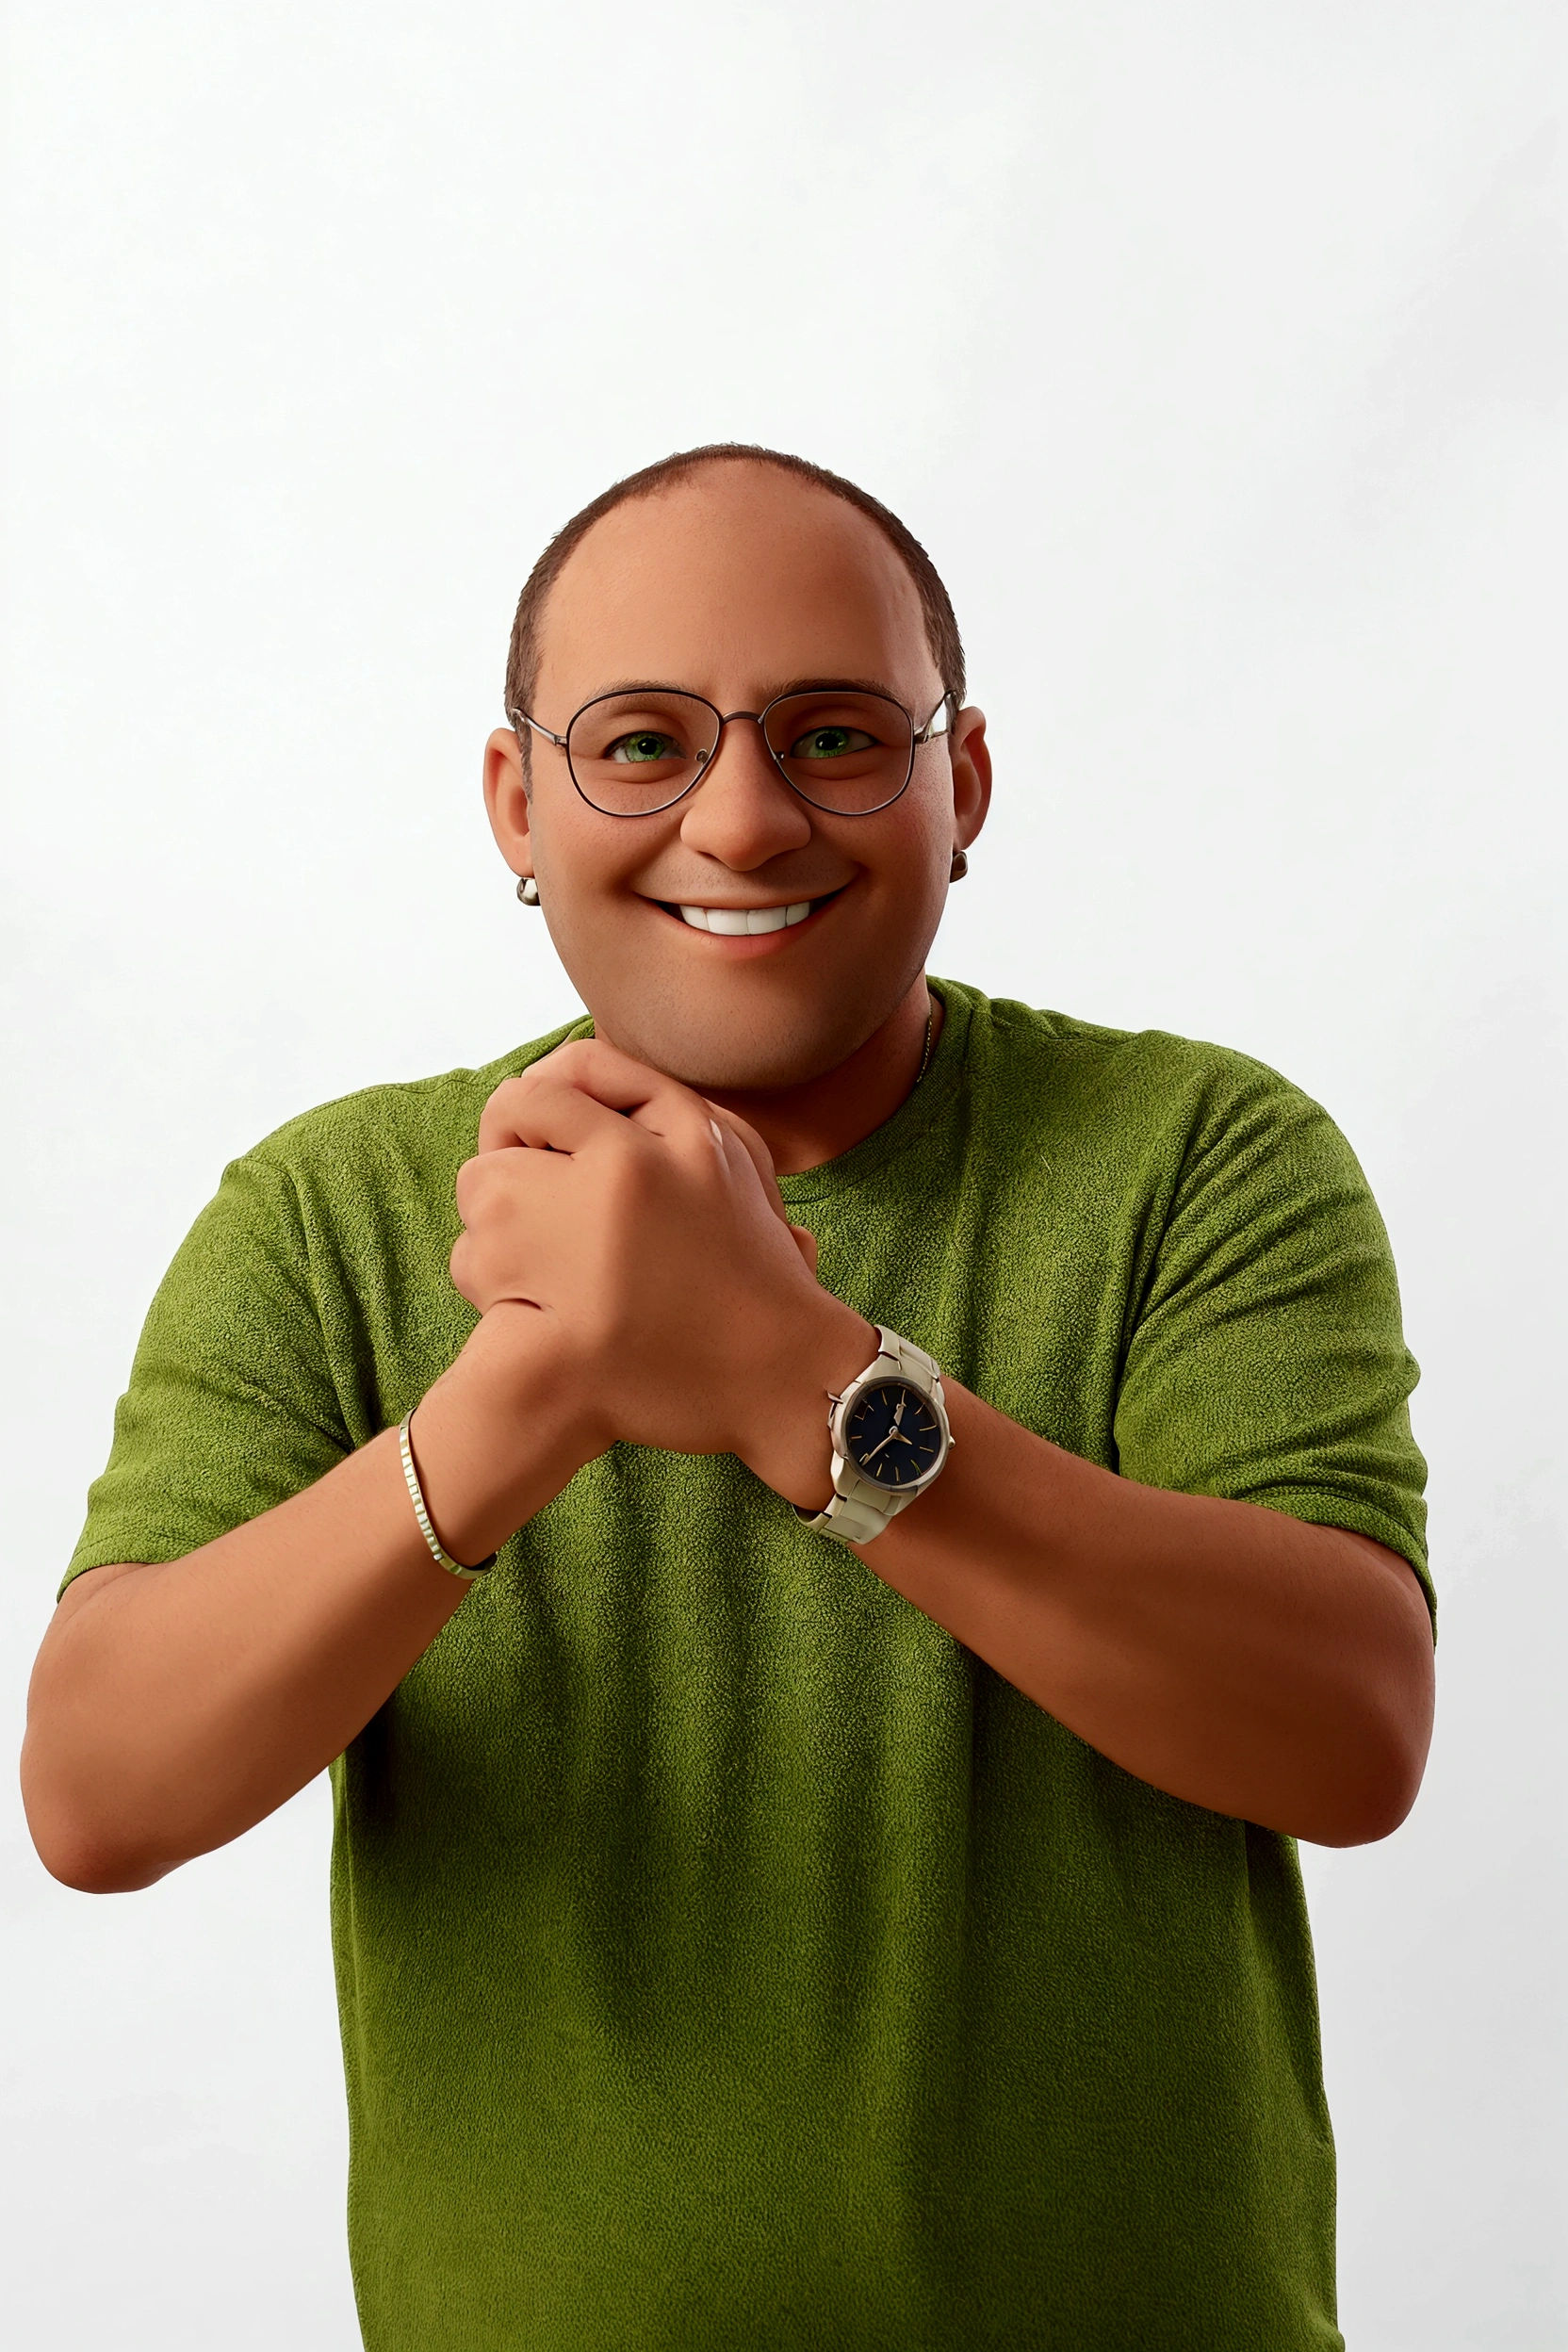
point(856, 1518)
point(913, 1363)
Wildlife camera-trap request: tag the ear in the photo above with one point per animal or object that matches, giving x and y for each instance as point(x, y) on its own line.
point(506, 800)
point(972, 777)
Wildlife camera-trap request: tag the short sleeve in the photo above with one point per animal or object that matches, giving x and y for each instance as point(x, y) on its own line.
point(232, 1405)
point(1267, 1360)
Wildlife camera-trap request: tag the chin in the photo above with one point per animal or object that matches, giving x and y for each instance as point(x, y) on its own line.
point(716, 1055)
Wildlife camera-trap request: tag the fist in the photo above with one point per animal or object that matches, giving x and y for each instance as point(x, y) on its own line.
point(642, 1227)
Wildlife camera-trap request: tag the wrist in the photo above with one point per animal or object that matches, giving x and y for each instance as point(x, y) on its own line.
point(500, 1432)
point(786, 1442)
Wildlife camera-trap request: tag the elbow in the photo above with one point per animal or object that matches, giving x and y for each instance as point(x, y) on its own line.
point(1381, 1758)
point(1372, 1811)
point(78, 1850)
point(91, 1865)
point(1371, 1802)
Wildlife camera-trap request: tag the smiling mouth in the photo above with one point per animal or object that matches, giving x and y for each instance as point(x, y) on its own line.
point(741, 922)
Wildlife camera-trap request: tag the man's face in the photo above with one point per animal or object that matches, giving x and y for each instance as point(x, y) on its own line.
point(738, 584)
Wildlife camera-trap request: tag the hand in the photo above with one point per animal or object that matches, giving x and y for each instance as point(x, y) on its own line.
point(895, 1438)
point(642, 1226)
point(895, 1435)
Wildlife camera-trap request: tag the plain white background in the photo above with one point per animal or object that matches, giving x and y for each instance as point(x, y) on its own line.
point(1220, 353)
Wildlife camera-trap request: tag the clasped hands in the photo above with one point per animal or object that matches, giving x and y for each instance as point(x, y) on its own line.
point(628, 1236)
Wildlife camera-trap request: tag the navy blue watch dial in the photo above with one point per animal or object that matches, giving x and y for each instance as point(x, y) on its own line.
point(893, 1434)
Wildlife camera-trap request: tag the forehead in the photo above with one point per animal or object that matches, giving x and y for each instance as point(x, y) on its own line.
point(730, 582)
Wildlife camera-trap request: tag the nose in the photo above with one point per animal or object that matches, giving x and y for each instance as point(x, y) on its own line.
point(743, 812)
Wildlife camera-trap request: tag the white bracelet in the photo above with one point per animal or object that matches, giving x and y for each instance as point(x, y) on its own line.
point(442, 1558)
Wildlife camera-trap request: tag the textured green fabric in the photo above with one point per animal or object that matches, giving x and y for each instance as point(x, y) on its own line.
point(726, 1956)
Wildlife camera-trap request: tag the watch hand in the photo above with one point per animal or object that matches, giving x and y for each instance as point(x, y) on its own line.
point(886, 1441)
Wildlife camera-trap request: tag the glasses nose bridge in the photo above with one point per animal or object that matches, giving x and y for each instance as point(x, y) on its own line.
point(727, 718)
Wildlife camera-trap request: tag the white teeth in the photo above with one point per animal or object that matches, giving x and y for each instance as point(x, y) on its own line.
point(737, 922)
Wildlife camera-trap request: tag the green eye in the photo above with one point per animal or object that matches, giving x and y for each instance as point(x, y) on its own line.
point(646, 744)
point(831, 743)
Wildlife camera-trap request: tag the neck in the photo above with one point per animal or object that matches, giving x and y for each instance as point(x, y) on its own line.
point(804, 1125)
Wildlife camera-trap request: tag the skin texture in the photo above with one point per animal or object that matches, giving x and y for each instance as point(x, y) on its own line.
point(636, 1277)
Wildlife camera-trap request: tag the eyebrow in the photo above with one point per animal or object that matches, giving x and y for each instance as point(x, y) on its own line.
point(857, 685)
point(791, 686)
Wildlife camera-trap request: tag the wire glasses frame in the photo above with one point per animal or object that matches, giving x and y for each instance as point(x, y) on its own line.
point(876, 772)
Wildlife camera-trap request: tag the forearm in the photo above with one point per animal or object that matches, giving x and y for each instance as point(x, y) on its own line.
point(1228, 1654)
point(174, 1706)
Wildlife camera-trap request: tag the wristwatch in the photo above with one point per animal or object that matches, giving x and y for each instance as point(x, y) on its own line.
point(891, 1441)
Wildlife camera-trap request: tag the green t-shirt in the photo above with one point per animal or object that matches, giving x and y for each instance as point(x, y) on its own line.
point(726, 1956)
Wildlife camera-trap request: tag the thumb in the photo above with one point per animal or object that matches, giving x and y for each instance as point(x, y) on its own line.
point(761, 1159)
point(757, 1151)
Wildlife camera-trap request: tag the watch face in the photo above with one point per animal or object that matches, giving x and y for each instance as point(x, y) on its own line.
point(892, 1435)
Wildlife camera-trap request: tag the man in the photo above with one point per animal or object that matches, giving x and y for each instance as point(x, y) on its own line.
point(741, 1938)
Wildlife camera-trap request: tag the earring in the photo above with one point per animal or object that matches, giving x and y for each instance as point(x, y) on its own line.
point(528, 891)
point(959, 867)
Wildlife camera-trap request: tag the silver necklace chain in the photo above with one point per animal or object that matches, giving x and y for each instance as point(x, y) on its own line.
point(925, 1055)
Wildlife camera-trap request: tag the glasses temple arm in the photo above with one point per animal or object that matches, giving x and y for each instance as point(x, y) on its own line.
point(930, 731)
point(559, 741)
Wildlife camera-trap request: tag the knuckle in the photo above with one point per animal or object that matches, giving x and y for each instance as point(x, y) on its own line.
point(510, 1091)
point(477, 1187)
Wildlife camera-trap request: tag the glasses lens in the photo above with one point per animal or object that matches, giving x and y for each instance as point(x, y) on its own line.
point(843, 751)
point(633, 753)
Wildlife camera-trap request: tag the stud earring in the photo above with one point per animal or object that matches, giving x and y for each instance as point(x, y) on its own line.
point(959, 867)
point(528, 891)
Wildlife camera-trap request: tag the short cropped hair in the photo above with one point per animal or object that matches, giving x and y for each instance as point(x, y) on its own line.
point(941, 628)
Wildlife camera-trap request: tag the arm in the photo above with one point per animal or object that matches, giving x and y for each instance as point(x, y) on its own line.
point(1233, 1656)
point(1228, 1654)
point(174, 1706)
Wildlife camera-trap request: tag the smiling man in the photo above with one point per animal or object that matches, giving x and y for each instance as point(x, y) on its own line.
point(831, 1530)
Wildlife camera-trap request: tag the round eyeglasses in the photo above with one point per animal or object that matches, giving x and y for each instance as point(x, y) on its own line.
point(845, 749)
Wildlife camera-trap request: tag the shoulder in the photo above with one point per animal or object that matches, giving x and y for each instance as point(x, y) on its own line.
point(1138, 1084)
point(365, 1181)
point(400, 1131)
